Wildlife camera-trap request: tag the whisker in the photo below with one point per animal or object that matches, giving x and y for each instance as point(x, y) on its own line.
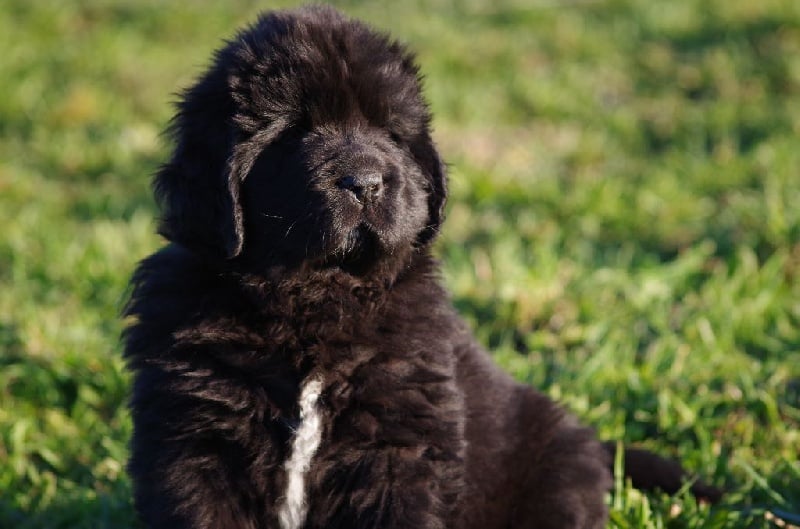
point(298, 219)
point(285, 235)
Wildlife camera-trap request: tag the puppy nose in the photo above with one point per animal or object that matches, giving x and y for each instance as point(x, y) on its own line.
point(366, 187)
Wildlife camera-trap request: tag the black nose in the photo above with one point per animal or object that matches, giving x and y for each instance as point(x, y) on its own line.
point(366, 187)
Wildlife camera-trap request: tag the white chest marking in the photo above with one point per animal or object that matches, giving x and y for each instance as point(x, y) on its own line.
point(292, 512)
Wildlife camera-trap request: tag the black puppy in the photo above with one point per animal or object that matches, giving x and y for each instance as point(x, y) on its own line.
point(297, 363)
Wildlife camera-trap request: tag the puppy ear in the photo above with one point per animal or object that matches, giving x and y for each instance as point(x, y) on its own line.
point(435, 172)
point(198, 189)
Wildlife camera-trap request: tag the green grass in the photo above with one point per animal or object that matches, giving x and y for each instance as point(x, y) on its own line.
point(624, 227)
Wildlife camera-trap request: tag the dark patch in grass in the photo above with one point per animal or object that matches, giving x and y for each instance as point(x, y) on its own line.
point(109, 510)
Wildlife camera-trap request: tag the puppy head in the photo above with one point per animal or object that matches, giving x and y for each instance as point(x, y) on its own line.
point(308, 139)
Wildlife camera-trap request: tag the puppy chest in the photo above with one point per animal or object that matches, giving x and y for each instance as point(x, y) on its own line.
point(293, 506)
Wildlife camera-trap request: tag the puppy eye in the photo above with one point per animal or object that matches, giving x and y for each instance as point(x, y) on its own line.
point(396, 138)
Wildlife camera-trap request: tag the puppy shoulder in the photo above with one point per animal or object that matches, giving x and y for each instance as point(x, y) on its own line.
point(166, 289)
point(172, 272)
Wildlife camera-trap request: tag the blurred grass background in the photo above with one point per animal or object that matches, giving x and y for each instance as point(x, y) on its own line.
point(624, 228)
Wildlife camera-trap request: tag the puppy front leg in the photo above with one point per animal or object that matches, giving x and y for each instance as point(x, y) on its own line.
point(394, 458)
point(390, 488)
point(190, 491)
point(196, 462)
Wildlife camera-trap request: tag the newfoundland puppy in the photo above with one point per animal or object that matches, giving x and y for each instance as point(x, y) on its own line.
point(297, 362)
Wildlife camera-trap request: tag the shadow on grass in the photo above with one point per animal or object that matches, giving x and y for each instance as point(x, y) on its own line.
point(71, 511)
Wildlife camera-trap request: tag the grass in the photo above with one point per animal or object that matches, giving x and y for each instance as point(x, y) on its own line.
point(623, 233)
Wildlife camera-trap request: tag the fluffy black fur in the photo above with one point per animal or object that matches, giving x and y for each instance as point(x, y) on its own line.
point(300, 202)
